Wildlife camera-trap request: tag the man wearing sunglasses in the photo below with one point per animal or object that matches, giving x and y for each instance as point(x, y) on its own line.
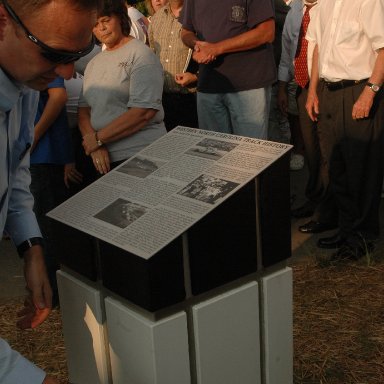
point(39, 40)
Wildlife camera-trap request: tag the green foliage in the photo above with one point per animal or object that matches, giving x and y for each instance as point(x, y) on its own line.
point(142, 8)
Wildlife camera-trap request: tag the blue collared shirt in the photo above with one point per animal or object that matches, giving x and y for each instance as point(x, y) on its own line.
point(289, 41)
point(17, 111)
point(14, 368)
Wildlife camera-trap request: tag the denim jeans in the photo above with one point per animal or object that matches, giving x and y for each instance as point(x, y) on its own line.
point(242, 113)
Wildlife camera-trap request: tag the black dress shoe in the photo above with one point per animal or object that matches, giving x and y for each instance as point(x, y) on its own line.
point(305, 210)
point(335, 241)
point(352, 252)
point(315, 227)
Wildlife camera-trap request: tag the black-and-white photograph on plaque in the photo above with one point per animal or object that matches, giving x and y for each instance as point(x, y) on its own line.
point(121, 213)
point(211, 149)
point(218, 144)
point(208, 189)
point(140, 167)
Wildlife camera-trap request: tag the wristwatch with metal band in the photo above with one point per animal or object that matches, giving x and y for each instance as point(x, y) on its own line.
point(25, 245)
point(375, 87)
point(98, 142)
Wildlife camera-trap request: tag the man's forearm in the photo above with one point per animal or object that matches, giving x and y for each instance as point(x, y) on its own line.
point(189, 38)
point(261, 34)
point(55, 104)
point(377, 76)
point(312, 103)
point(314, 81)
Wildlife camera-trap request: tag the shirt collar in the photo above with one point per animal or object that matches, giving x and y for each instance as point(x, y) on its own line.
point(167, 10)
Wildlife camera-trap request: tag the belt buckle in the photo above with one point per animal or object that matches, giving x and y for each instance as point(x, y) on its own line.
point(332, 86)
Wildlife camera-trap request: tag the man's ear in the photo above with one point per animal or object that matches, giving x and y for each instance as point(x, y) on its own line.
point(3, 21)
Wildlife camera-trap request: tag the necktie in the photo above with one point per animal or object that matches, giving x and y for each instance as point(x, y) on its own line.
point(301, 65)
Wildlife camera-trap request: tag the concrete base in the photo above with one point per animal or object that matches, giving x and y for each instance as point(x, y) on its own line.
point(242, 335)
point(84, 331)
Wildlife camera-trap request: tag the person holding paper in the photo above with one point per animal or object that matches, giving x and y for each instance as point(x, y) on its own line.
point(180, 72)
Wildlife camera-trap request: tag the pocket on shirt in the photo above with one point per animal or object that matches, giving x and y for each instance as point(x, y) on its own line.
point(238, 12)
point(349, 34)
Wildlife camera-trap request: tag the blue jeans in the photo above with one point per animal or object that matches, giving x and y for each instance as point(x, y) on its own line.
point(242, 113)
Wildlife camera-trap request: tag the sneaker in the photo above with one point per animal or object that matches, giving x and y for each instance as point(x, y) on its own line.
point(297, 162)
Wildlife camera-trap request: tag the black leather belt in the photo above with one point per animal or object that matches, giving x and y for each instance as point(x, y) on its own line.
point(334, 86)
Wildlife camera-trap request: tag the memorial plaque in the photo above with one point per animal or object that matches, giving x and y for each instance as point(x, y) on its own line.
point(215, 188)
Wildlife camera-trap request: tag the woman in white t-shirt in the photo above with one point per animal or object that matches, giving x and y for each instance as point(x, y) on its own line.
point(139, 27)
point(120, 109)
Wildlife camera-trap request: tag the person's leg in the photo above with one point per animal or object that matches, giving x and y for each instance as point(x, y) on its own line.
point(359, 186)
point(170, 106)
point(297, 154)
point(49, 190)
point(249, 111)
point(278, 124)
point(355, 164)
point(189, 111)
point(308, 128)
point(330, 130)
point(212, 113)
point(180, 109)
point(320, 200)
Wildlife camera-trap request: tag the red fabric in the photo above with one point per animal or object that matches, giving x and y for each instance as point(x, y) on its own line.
point(301, 65)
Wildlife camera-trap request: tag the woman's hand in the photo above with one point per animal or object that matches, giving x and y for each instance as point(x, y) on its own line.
point(101, 160)
point(71, 175)
point(90, 143)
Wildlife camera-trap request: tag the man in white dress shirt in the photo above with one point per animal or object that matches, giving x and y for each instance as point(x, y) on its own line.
point(345, 96)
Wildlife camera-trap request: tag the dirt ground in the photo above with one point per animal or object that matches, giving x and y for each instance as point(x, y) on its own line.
point(338, 324)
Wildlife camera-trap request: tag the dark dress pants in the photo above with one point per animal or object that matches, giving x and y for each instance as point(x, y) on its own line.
point(317, 189)
point(353, 153)
point(180, 109)
point(49, 190)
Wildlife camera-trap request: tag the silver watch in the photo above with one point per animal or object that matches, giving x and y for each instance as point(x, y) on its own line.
point(375, 87)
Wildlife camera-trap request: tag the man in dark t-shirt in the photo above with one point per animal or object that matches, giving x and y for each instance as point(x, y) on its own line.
point(232, 44)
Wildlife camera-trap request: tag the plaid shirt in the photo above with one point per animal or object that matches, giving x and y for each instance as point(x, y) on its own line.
point(165, 40)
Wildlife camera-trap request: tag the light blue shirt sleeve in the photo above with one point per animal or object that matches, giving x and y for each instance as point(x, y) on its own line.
point(17, 111)
point(290, 40)
point(15, 369)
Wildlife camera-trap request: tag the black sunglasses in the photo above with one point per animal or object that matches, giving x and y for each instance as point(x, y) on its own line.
point(53, 55)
